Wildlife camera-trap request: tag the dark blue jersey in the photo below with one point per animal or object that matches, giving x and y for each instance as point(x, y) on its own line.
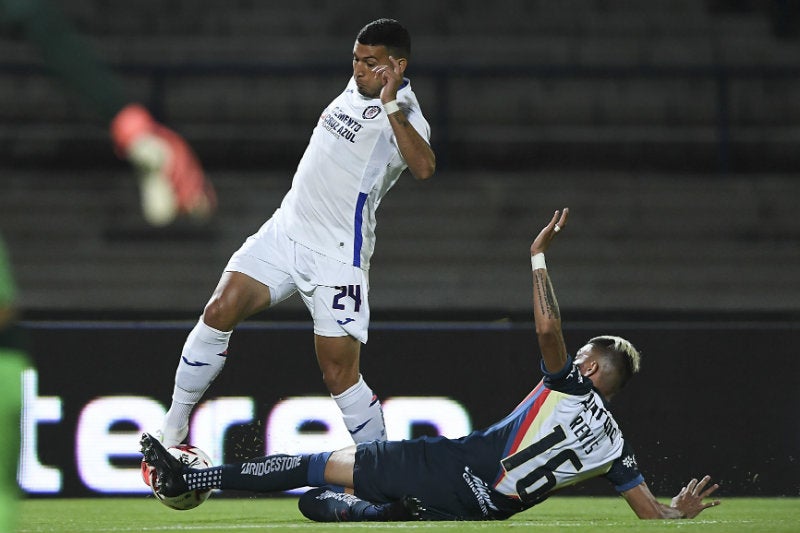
point(560, 434)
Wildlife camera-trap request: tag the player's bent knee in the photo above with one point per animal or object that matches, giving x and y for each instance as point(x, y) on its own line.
point(218, 315)
point(339, 377)
point(224, 312)
point(320, 505)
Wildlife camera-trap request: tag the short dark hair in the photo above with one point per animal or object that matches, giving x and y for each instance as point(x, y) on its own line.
point(389, 33)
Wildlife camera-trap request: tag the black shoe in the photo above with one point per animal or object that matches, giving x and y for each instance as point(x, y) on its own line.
point(323, 504)
point(406, 509)
point(169, 479)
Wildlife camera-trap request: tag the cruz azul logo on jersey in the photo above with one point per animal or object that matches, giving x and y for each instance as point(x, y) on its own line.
point(371, 112)
point(340, 124)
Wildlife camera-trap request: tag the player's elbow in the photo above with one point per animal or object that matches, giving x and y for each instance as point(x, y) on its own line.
point(425, 171)
point(548, 330)
point(425, 175)
point(424, 167)
point(549, 340)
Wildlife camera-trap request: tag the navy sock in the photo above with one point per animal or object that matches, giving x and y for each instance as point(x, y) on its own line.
point(206, 478)
point(332, 504)
point(264, 474)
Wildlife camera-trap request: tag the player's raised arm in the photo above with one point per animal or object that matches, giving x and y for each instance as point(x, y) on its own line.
point(416, 151)
point(545, 306)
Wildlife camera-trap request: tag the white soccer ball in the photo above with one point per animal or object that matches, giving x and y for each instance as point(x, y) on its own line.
point(193, 457)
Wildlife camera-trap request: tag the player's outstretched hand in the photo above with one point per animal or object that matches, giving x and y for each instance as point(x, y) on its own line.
point(548, 233)
point(689, 500)
point(171, 179)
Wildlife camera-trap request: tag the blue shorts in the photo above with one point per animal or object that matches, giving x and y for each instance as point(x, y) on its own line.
point(442, 473)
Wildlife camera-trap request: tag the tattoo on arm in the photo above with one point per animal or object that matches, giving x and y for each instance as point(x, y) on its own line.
point(547, 299)
point(402, 120)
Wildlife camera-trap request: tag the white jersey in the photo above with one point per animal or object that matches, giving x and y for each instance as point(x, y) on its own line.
point(562, 433)
point(350, 163)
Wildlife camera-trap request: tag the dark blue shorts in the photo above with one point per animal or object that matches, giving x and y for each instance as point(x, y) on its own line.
point(442, 473)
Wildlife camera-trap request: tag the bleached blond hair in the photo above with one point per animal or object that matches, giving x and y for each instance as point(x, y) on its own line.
point(621, 355)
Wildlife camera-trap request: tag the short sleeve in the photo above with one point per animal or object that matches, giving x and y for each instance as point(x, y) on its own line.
point(624, 473)
point(567, 380)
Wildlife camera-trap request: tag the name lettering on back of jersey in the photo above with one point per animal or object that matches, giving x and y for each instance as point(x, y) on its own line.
point(340, 124)
point(584, 432)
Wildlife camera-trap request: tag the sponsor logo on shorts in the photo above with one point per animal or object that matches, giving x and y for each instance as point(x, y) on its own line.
point(481, 491)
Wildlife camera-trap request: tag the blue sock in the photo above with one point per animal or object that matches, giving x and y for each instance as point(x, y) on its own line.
point(264, 474)
point(332, 504)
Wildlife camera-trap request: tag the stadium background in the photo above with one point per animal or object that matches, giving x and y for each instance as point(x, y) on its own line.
point(670, 128)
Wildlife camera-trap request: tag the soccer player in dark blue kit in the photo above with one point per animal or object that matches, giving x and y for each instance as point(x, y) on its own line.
point(562, 433)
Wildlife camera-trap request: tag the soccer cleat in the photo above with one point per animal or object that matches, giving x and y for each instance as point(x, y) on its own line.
point(171, 178)
point(148, 473)
point(406, 509)
point(165, 471)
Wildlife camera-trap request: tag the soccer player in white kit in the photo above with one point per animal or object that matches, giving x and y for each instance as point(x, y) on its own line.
point(319, 242)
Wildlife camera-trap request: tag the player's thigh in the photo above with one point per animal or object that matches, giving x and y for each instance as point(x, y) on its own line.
point(256, 277)
point(236, 297)
point(339, 330)
point(424, 468)
point(266, 257)
point(339, 468)
point(340, 308)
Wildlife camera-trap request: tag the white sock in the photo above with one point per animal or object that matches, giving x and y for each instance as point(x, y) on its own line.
point(362, 413)
point(202, 359)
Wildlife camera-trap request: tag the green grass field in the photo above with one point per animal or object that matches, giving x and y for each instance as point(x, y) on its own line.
point(221, 515)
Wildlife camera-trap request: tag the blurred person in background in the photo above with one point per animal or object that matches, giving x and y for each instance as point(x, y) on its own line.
point(13, 361)
point(171, 179)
